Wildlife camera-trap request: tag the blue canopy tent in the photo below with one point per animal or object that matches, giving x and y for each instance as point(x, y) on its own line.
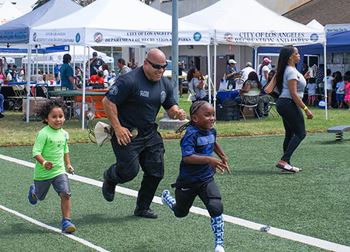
point(17, 31)
point(50, 49)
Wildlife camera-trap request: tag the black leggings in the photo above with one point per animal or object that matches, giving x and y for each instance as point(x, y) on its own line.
point(294, 125)
point(208, 192)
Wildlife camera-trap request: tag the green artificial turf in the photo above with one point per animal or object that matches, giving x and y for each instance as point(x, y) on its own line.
point(313, 202)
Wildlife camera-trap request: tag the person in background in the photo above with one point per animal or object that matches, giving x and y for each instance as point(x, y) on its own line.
point(123, 69)
point(105, 70)
point(230, 72)
point(291, 85)
point(304, 69)
point(2, 99)
point(132, 104)
point(21, 76)
point(197, 169)
point(95, 64)
point(197, 85)
point(319, 77)
point(66, 73)
point(311, 91)
point(252, 93)
point(56, 72)
point(328, 80)
point(181, 69)
point(78, 75)
point(338, 85)
point(97, 80)
point(347, 88)
point(51, 153)
point(247, 70)
point(263, 70)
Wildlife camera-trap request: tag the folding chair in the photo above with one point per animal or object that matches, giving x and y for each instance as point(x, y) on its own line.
point(272, 109)
point(251, 108)
point(15, 102)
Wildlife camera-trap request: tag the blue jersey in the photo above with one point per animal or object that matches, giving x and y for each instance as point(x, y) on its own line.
point(196, 142)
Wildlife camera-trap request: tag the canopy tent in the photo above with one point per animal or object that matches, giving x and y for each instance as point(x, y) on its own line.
point(9, 12)
point(117, 23)
point(17, 30)
point(314, 24)
point(252, 24)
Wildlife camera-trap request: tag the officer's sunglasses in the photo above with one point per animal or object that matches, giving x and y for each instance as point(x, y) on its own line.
point(157, 66)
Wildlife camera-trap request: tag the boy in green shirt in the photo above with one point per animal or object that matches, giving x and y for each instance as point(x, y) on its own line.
point(52, 160)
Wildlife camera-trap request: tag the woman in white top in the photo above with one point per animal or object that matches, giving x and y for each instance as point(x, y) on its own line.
point(196, 85)
point(291, 84)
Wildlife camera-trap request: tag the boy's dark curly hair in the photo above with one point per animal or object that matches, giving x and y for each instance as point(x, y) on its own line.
point(46, 108)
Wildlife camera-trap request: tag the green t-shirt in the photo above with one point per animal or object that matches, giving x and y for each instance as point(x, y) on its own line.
point(52, 144)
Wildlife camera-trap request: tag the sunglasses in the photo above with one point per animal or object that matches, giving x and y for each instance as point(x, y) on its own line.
point(157, 66)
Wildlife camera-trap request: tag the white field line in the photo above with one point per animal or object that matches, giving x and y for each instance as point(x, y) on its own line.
point(43, 225)
point(323, 244)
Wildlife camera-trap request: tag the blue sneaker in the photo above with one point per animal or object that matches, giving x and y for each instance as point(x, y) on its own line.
point(168, 199)
point(67, 226)
point(31, 195)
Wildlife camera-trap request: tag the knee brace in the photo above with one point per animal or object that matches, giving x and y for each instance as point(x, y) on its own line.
point(215, 207)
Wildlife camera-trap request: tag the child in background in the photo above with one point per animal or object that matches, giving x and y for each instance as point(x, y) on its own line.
point(197, 169)
point(339, 89)
point(347, 88)
point(52, 160)
point(311, 92)
point(328, 80)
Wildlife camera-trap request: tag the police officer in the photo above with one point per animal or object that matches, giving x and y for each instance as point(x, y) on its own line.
point(132, 105)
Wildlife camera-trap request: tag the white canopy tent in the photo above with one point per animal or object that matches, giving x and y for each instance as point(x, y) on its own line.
point(314, 24)
point(117, 23)
point(252, 24)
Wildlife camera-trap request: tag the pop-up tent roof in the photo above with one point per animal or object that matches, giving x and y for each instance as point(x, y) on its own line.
point(9, 12)
point(314, 24)
point(17, 30)
point(250, 23)
point(117, 23)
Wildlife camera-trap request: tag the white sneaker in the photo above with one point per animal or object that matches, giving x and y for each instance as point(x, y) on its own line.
point(287, 167)
point(219, 248)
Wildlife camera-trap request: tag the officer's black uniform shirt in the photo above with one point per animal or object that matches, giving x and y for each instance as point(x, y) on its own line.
point(138, 100)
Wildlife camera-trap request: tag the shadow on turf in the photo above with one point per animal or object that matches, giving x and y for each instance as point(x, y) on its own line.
point(333, 142)
point(97, 219)
point(265, 172)
point(20, 228)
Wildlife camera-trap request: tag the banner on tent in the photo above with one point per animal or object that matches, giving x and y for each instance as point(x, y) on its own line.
point(69, 37)
point(270, 38)
point(122, 38)
point(337, 27)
